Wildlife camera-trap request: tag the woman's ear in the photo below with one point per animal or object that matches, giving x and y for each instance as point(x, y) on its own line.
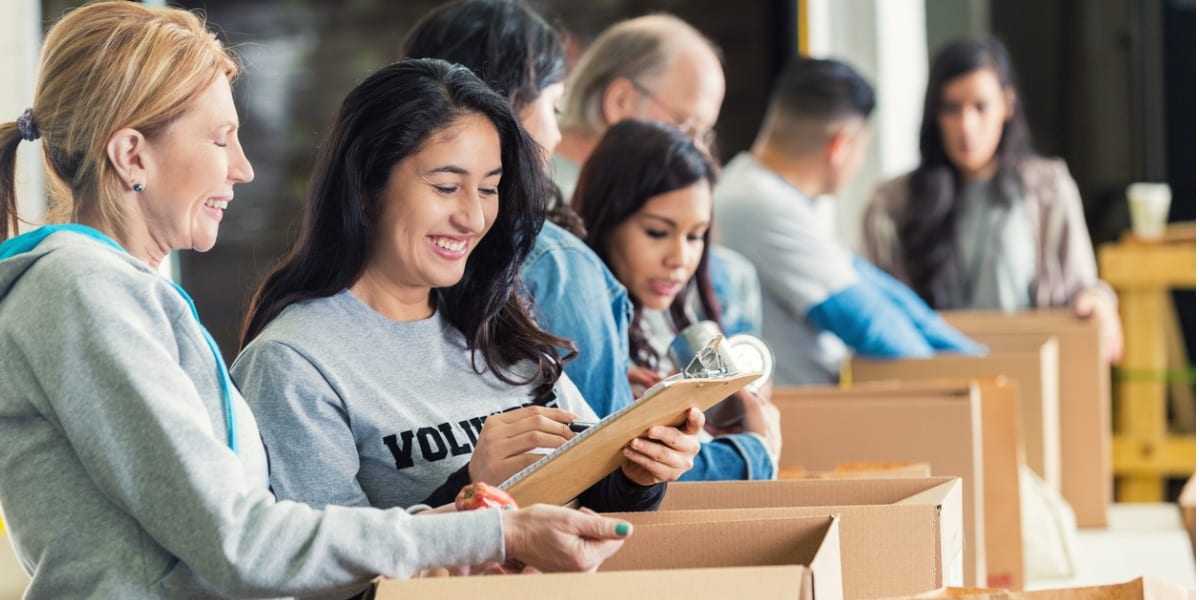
point(127, 153)
point(619, 101)
point(1010, 102)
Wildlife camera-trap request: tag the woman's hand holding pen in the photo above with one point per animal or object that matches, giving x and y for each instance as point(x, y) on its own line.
point(664, 453)
point(507, 438)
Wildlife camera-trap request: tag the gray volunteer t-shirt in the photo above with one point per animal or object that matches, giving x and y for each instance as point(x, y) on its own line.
point(358, 409)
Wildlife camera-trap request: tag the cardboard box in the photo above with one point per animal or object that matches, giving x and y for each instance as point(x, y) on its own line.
point(1139, 589)
point(1084, 397)
point(713, 538)
point(769, 583)
point(1003, 458)
point(1187, 506)
point(1034, 371)
point(860, 470)
point(1142, 588)
point(825, 426)
point(898, 536)
point(691, 554)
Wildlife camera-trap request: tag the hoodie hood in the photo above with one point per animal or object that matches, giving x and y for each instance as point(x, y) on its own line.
point(19, 254)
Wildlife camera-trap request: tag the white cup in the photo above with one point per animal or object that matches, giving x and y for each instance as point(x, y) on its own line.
point(1149, 204)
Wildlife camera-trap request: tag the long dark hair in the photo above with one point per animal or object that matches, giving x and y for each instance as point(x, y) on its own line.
point(927, 229)
point(632, 163)
point(509, 46)
point(386, 118)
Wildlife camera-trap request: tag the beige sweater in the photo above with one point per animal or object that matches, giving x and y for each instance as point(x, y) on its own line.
point(1066, 263)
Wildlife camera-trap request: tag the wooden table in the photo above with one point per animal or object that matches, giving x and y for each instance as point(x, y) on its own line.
point(1142, 272)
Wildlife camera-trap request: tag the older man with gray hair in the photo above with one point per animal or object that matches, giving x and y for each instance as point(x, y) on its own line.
point(657, 68)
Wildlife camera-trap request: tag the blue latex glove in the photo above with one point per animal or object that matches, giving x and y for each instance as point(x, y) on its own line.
point(936, 331)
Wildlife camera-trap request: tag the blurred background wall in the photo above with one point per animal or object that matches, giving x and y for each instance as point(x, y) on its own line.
point(1109, 85)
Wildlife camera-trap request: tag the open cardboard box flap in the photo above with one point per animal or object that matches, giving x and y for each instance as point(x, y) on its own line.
point(897, 535)
point(702, 557)
point(712, 538)
point(788, 582)
point(809, 492)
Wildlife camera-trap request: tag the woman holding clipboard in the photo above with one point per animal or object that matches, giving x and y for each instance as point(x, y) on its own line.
point(391, 359)
point(645, 196)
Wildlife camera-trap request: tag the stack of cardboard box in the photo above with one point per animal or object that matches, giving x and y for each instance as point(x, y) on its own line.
point(898, 536)
point(688, 554)
point(1040, 397)
point(1084, 397)
point(1034, 370)
point(940, 422)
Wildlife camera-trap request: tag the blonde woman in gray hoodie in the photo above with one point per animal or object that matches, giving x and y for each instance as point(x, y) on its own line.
point(132, 467)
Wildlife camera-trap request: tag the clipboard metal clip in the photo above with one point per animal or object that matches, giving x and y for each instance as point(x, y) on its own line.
point(710, 361)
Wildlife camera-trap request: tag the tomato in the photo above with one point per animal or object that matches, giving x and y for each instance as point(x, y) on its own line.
point(481, 495)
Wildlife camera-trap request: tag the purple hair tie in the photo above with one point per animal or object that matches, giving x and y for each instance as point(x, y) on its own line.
point(25, 125)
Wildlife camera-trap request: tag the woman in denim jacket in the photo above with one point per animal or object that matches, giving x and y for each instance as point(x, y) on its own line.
point(646, 197)
point(577, 297)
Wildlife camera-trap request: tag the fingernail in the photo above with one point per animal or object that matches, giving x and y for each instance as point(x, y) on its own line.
point(636, 443)
point(623, 529)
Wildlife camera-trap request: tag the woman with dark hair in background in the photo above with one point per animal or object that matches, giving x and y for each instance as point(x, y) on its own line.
point(520, 56)
point(983, 222)
point(390, 359)
point(646, 198)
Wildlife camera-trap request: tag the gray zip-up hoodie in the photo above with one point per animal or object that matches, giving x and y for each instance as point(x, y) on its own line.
point(115, 477)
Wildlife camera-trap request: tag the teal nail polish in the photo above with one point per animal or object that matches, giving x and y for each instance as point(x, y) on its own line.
point(623, 529)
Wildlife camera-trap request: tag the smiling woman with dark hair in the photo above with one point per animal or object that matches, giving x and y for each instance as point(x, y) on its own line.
point(390, 359)
point(518, 54)
point(577, 296)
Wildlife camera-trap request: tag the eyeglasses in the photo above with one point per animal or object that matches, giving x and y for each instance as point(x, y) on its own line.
point(704, 136)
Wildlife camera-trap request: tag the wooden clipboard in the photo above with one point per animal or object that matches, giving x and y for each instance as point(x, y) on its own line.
point(575, 466)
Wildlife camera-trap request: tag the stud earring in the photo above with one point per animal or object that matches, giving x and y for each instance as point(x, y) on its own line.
point(137, 187)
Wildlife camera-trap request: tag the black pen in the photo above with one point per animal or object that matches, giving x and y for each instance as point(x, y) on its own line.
point(580, 426)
